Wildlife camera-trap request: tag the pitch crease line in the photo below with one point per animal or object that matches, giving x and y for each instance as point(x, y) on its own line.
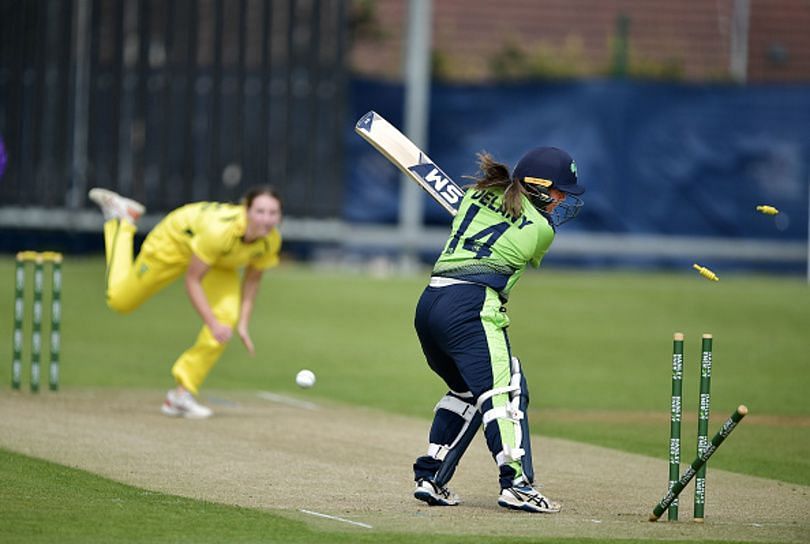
point(359, 524)
point(281, 399)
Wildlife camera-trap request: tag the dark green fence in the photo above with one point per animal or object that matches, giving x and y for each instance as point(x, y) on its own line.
point(173, 100)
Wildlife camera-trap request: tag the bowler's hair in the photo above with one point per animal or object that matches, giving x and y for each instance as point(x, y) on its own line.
point(259, 190)
point(496, 175)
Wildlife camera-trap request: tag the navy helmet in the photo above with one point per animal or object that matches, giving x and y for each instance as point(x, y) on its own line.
point(545, 168)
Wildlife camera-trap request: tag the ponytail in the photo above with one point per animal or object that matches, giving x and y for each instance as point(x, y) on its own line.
point(496, 175)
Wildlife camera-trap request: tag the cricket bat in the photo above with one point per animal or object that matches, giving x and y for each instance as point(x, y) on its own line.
point(398, 149)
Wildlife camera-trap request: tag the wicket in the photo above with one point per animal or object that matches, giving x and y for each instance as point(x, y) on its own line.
point(700, 461)
point(702, 430)
point(675, 420)
point(39, 259)
point(703, 423)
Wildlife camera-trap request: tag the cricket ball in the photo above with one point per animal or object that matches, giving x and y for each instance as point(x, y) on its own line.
point(305, 379)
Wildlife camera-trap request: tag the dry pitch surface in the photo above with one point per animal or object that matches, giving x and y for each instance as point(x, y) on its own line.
point(355, 464)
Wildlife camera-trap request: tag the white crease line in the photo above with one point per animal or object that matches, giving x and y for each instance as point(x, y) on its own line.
point(266, 395)
point(366, 525)
point(222, 402)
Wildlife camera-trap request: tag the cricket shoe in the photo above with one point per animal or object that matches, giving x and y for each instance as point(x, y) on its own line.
point(115, 206)
point(524, 497)
point(434, 494)
point(184, 405)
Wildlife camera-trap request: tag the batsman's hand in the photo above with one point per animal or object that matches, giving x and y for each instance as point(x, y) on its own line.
point(245, 336)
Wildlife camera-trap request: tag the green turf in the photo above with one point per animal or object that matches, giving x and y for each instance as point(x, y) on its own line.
point(591, 343)
point(596, 348)
point(47, 503)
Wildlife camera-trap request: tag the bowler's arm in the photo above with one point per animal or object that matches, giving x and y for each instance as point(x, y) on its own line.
point(194, 274)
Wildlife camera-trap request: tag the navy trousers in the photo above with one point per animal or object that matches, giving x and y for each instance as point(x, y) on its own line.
point(462, 330)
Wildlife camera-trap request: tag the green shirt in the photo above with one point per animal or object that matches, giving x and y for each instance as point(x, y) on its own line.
point(491, 247)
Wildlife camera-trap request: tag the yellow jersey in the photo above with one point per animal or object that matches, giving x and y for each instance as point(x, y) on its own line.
point(214, 232)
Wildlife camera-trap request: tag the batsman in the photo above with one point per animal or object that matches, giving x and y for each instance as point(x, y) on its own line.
point(505, 222)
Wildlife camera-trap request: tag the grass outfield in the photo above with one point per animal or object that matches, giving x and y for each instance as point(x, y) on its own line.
point(596, 347)
point(45, 502)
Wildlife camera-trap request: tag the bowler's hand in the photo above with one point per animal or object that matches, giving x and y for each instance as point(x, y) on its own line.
point(245, 336)
point(222, 333)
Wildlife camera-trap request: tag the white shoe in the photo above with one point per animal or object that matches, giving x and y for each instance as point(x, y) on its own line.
point(115, 206)
point(524, 497)
point(434, 495)
point(184, 405)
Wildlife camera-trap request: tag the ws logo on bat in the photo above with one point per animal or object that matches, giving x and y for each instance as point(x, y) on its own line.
point(398, 149)
point(442, 185)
